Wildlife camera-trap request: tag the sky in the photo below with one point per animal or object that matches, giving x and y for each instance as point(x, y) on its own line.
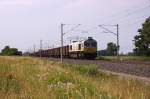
point(23, 23)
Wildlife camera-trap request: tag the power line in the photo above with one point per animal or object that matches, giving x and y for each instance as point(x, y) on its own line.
point(142, 18)
point(120, 17)
point(126, 10)
point(72, 28)
point(127, 17)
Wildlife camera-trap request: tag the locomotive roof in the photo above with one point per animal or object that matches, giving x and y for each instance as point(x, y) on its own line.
point(89, 38)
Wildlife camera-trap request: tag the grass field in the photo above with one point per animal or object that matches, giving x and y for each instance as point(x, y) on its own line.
point(133, 58)
point(33, 78)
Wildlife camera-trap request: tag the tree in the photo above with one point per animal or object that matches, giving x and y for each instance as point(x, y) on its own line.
point(142, 40)
point(5, 50)
point(111, 49)
point(10, 51)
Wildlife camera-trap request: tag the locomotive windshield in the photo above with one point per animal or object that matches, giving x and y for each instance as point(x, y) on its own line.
point(87, 44)
point(90, 43)
point(93, 44)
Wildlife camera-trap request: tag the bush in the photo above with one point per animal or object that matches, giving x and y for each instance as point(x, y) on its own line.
point(10, 51)
point(87, 70)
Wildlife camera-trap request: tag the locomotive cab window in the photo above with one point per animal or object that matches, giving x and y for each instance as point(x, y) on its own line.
point(93, 44)
point(70, 47)
point(87, 44)
point(79, 47)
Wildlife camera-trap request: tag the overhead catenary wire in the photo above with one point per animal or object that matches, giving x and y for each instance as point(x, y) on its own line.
point(140, 19)
point(126, 14)
point(72, 28)
point(136, 7)
point(133, 17)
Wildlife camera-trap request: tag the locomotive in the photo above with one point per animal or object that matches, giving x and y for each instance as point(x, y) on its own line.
point(85, 49)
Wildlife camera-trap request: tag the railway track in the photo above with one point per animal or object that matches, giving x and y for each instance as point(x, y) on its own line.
point(134, 68)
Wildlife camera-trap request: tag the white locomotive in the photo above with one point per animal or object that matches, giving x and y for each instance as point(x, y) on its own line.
point(83, 49)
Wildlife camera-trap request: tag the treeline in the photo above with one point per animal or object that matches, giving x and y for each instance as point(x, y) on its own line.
point(7, 51)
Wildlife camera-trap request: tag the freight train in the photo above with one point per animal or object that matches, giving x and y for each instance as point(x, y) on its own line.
point(85, 49)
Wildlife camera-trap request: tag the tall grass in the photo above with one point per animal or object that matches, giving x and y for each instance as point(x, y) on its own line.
point(33, 78)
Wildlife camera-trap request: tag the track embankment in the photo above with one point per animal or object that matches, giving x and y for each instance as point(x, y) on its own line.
point(135, 68)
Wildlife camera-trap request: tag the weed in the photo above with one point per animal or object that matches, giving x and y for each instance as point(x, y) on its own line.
point(8, 81)
point(60, 77)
